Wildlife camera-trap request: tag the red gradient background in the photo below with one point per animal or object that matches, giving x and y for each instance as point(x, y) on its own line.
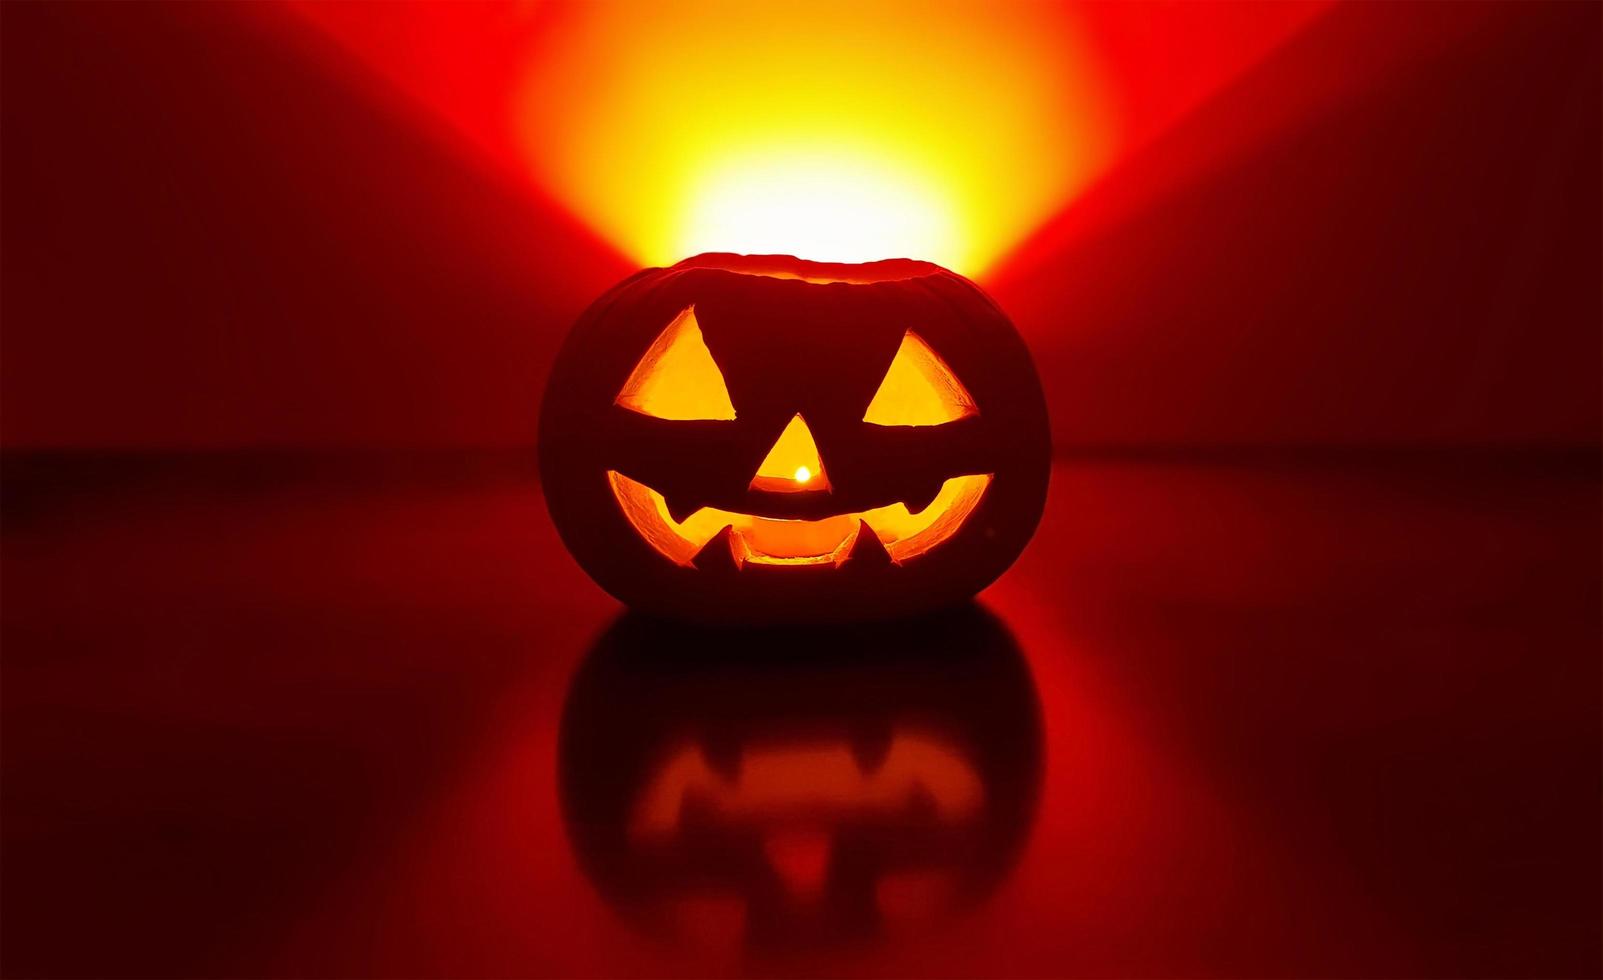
point(1362, 226)
point(1313, 616)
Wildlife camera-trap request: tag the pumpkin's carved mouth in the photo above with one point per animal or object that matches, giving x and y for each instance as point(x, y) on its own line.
point(897, 533)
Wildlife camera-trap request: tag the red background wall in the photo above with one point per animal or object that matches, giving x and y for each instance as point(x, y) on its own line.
point(221, 230)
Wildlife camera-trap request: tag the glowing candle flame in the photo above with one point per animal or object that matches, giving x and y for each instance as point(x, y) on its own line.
point(803, 474)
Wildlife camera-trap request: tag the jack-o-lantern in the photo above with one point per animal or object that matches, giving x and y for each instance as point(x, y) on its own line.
point(858, 782)
point(761, 438)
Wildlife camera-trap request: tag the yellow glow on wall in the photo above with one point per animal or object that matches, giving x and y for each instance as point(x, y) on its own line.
point(832, 131)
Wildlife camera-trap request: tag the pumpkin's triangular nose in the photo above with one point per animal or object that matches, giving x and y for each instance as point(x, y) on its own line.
point(793, 464)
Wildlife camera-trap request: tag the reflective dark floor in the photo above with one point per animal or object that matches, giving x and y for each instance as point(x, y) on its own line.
point(1250, 715)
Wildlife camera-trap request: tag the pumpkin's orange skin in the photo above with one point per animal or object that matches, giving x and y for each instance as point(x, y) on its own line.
point(786, 345)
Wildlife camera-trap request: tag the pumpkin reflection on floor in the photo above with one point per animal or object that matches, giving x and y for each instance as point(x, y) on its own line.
point(801, 788)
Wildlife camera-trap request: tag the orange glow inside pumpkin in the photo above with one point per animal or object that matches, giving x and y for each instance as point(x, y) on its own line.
point(677, 377)
point(826, 541)
point(793, 464)
point(919, 389)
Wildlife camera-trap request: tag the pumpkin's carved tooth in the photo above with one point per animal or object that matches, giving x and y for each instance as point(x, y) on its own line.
point(717, 556)
point(679, 509)
point(868, 551)
point(920, 499)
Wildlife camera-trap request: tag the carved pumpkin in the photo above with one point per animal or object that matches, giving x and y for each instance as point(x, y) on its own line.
point(856, 781)
point(760, 438)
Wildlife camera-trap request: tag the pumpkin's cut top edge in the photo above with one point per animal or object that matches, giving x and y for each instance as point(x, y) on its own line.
point(818, 273)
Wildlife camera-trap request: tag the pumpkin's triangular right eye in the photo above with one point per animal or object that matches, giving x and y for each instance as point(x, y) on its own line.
point(919, 389)
point(677, 377)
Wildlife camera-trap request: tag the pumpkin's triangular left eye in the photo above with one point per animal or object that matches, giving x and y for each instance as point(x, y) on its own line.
point(677, 377)
point(919, 389)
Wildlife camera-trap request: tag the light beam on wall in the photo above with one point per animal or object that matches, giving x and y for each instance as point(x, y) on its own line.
point(940, 131)
point(839, 131)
